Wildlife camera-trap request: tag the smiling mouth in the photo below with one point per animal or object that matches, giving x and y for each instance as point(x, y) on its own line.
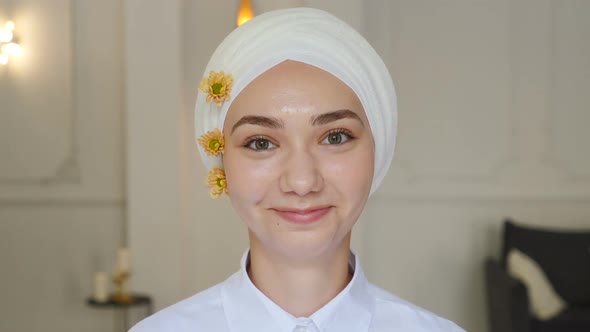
point(303, 216)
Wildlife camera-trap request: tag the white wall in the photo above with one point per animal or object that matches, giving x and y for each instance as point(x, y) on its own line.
point(493, 106)
point(61, 163)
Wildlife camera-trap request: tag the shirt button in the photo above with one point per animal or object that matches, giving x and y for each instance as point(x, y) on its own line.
point(300, 328)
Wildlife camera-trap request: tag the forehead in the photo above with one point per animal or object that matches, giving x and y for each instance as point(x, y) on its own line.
point(293, 84)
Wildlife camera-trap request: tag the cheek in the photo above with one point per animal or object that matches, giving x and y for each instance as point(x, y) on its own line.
point(352, 173)
point(248, 180)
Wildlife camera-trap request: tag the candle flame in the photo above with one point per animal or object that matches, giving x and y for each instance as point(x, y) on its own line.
point(245, 13)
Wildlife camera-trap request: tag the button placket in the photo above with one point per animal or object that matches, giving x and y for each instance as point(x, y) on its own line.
point(305, 325)
point(300, 328)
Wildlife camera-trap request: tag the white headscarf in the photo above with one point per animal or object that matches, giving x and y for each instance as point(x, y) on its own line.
point(314, 37)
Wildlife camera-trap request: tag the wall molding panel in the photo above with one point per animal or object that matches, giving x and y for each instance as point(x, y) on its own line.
point(62, 162)
point(38, 93)
point(63, 103)
point(519, 132)
point(568, 137)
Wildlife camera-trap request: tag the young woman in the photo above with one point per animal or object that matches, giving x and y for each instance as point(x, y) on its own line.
point(296, 121)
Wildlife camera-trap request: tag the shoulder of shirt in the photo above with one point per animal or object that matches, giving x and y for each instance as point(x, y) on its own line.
point(391, 310)
point(195, 313)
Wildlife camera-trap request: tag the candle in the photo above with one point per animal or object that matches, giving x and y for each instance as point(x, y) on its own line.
point(123, 260)
point(101, 287)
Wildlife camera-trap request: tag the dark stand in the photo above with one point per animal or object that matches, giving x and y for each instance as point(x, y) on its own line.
point(137, 301)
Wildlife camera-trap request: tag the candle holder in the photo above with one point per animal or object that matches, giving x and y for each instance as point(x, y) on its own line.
point(121, 295)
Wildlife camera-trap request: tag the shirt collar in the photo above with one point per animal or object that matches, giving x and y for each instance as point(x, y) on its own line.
point(248, 309)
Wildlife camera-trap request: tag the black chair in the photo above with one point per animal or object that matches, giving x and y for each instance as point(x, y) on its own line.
point(564, 257)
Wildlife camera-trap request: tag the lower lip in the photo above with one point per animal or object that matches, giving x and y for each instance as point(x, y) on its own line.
point(304, 218)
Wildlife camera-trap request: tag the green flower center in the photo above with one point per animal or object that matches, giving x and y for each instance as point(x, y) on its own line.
point(214, 144)
point(220, 183)
point(216, 87)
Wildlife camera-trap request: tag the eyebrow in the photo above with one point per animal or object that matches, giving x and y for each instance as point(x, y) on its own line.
point(326, 118)
point(258, 120)
point(274, 123)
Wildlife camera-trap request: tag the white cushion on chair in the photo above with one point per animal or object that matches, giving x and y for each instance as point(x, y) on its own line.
point(545, 302)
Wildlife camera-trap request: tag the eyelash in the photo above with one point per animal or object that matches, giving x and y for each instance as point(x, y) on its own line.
point(254, 139)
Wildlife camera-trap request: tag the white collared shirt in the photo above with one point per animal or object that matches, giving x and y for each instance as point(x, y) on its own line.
point(236, 305)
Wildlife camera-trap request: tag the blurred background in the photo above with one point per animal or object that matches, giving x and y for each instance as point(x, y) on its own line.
point(97, 148)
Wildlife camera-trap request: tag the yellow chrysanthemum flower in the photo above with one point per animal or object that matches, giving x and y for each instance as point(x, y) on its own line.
point(217, 86)
point(216, 180)
point(212, 142)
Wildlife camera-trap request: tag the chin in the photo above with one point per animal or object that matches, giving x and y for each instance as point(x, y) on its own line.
point(300, 246)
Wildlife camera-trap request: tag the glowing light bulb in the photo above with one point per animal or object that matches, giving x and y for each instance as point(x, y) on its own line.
point(245, 12)
point(12, 49)
point(5, 36)
point(9, 25)
point(8, 46)
point(3, 58)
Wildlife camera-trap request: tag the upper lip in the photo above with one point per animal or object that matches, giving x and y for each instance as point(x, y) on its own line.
point(301, 211)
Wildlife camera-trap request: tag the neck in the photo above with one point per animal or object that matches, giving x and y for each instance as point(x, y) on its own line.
point(300, 288)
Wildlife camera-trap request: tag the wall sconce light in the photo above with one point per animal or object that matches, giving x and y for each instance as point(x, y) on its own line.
point(9, 46)
point(245, 13)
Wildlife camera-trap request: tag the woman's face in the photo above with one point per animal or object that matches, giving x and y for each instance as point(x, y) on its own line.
point(299, 160)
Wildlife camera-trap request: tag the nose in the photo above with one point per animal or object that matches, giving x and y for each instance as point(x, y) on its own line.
point(301, 173)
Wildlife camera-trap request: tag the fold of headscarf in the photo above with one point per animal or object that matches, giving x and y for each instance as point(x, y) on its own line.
point(314, 37)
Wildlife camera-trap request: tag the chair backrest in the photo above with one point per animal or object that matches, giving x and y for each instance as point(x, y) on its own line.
point(564, 256)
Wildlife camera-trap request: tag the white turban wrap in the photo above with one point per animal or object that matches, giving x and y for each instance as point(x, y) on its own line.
point(316, 38)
